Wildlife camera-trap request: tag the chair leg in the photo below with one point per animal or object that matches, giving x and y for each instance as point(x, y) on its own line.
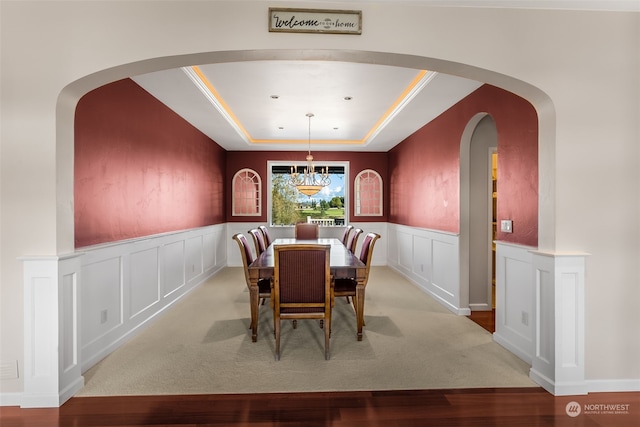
point(277, 332)
point(327, 334)
point(355, 308)
point(295, 323)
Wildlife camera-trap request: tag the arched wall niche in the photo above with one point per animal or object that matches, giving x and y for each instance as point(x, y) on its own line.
point(71, 94)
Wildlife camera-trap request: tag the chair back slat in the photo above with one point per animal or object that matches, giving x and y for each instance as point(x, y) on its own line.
point(346, 233)
point(302, 287)
point(306, 231)
point(366, 247)
point(245, 252)
point(367, 251)
point(353, 239)
point(258, 241)
point(265, 234)
point(302, 276)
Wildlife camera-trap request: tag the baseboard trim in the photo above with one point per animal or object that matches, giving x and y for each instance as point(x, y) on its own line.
point(512, 348)
point(612, 386)
point(480, 307)
point(558, 389)
point(10, 399)
point(456, 310)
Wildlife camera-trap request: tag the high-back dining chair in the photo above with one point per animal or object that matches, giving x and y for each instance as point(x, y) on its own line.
point(349, 287)
point(258, 241)
point(352, 241)
point(306, 231)
point(302, 287)
point(346, 233)
point(265, 234)
point(263, 290)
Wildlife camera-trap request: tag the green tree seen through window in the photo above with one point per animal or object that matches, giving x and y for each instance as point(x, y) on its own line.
point(283, 201)
point(289, 206)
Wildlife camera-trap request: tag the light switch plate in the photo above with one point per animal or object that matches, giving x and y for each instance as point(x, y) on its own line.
point(506, 226)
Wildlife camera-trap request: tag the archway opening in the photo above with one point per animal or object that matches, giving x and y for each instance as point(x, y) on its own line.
point(72, 93)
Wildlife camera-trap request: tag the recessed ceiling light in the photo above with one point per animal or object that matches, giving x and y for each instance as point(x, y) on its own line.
point(275, 96)
point(280, 127)
point(348, 98)
point(336, 128)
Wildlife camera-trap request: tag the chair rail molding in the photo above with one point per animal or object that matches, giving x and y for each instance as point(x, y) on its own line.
point(558, 363)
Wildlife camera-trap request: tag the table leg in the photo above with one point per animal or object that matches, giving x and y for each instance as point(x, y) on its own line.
point(254, 299)
point(359, 309)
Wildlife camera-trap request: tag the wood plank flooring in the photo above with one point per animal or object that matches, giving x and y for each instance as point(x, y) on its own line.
point(462, 407)
point(486, 319)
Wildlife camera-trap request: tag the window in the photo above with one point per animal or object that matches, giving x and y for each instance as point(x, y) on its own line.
point(368, 193)
point(286, 205)
point(246, 193)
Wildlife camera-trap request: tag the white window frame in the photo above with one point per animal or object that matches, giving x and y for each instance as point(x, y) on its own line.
point(302, 163)
point(258, 197)
point(356, 193)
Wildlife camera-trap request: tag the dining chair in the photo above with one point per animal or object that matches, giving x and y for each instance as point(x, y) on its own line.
point(306, 231)
point(345, 234)
point(265, 234)
point(352, 241)
point(302, 287)
point(258, 241)
point(263, 290)
point(349, 287)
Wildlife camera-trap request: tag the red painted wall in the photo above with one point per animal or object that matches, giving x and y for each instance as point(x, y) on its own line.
point(424, 169)
point(140, 169)
point(257, 160)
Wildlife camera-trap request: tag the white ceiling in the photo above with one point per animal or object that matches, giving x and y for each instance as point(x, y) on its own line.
point(263, 105)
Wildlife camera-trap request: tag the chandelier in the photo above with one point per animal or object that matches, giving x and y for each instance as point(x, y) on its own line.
point(309, 182)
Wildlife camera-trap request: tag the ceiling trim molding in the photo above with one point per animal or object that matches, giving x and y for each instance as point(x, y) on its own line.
point(207, 89)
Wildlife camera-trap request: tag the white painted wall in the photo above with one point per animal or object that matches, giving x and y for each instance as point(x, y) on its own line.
point(562, 61)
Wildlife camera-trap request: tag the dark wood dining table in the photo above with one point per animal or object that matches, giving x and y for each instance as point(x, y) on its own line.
point(342, 263)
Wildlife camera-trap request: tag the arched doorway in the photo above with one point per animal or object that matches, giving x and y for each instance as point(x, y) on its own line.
point(71, 94)
point(477, 220)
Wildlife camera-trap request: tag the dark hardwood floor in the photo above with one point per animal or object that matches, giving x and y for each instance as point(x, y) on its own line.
point(486, 319)
point(465, 407)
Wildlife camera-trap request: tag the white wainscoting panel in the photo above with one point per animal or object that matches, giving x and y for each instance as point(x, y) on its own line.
point(144, 272)
point(430, 259)
point(51, 369)
point(173, 266)
point(80, 307)
point(559, 360)
point(126, 284)
point(515, 299)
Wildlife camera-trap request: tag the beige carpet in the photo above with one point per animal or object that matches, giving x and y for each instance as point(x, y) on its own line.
point(203, 345)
